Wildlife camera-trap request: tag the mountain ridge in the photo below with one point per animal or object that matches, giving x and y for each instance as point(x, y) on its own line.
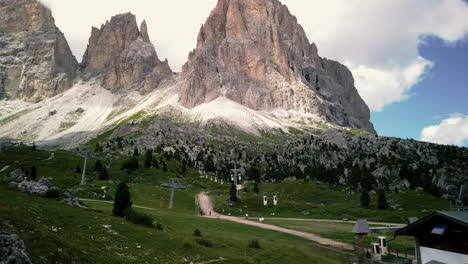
point(254, 52)
point(121, 59)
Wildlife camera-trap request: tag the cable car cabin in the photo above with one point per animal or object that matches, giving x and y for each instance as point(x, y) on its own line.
point(441, 237)
point(376, 252)
point(383, 245)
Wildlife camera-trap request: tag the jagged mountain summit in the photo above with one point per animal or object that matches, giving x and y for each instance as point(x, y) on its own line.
point(255, 53)
point(123, 57)
point(35, 60)
point(253, 69)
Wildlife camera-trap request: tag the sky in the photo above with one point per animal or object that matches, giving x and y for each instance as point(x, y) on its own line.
point(408, 57)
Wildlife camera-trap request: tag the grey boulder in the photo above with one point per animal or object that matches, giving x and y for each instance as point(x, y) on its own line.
point(12, 250)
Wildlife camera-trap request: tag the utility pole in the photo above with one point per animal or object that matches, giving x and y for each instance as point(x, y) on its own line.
point(86, 155)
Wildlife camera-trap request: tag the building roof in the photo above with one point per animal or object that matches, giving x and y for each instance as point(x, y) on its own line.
point(361, 227)
point(459, 217)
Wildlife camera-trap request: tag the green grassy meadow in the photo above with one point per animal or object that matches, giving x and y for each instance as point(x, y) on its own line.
point(58, 233)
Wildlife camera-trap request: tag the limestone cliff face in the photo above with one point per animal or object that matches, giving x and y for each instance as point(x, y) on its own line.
point(255, 53)
point(122, 56)
point(35, 60)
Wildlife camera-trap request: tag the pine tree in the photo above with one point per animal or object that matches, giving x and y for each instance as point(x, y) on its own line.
point(33, 172)
point(122, 200)
point(103, 176)
point(135, 152)
point(78, 168)
point(148, 158)
point(382, 201)
point(155, 163)
point(98, 165)
point(97, 148)
point(183, 170)
point(365, 199)
point(165, 167)
point(256, 189)
point(233, 193)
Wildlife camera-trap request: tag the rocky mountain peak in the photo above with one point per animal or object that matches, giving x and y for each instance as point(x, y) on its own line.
point(122, 56)
point(255, 53)
point(144, 31)
point(35, 60)
point(25, 15)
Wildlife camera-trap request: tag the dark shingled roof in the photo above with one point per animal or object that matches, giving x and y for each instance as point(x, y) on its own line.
point(459, 217)
point(361, 227)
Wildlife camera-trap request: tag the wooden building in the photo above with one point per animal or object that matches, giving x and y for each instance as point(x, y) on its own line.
point(441, 237)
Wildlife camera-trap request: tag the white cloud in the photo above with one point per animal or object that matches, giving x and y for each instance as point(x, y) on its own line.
point(392, 83)
point(377, 39)
point(451, 131)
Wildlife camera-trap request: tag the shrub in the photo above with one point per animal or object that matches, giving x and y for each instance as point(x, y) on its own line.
point(187, 245)
point(365, 199)
point(159, 226)
point(138, 218)
point(204, 242)
point(33, 172)
point(382, 201)
point(122, 200)
point(254, 244)
point(197, 233)
point(53, 193)
point(131, 164)
point(98, 165)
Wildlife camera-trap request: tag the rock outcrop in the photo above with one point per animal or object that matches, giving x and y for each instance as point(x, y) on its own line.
point(12, 249)
point(122, 57)
point(255, 53)
point(35, 60)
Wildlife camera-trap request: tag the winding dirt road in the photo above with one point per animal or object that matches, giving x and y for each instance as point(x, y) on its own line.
point(206, 205)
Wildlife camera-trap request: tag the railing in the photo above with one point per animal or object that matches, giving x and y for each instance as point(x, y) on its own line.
point(407, 258)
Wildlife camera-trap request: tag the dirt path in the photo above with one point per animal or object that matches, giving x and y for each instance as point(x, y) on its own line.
point(4, 168)
point(51, 156)
point(206, 205)
point(329, 221)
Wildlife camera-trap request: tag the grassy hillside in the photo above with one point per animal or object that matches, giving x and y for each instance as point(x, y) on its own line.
point(58, 233)
point(299, 199)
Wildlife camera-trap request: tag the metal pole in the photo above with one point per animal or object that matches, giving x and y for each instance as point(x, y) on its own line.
point(171, 201)
point(83, 179)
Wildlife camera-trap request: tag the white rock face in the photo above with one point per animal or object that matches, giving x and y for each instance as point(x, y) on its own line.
point(35, 60)
point(255, 53)
point(123, 58)
point(33, 187)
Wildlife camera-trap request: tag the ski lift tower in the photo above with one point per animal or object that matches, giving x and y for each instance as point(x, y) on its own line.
point(235, 173)
point(201, 169)
point(86, 155)
point(174, 184)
